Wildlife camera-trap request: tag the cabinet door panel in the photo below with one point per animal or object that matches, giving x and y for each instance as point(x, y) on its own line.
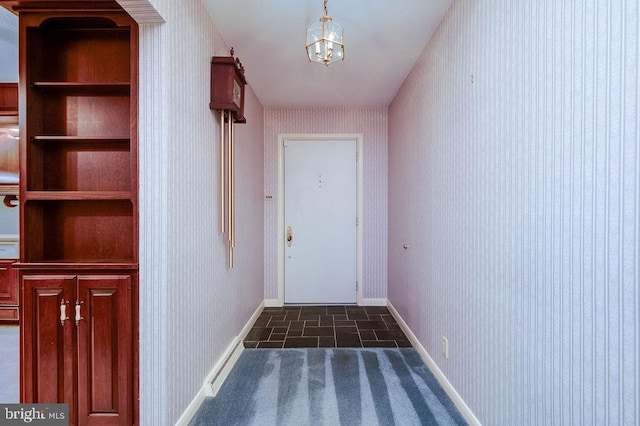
point(8, 285)
point(104, 350)
point(47, 343)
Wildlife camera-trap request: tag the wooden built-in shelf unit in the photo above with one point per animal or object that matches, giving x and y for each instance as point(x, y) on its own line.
point(80, 165)
point(79, 208)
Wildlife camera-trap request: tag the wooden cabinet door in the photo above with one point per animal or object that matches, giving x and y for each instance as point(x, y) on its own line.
point(48, 347)
point(104, 350)
point(8, 285)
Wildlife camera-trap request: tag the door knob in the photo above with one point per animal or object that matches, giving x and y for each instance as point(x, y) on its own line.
point(289, 236)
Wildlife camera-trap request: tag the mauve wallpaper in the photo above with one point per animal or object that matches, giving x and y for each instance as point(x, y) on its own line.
point(514, 178)
point(191, 305)
point(372, 124)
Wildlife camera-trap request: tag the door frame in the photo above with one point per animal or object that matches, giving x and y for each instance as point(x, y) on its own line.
point(282, 138)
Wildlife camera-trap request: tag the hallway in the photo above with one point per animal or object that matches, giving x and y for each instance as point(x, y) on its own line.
point(500, 205)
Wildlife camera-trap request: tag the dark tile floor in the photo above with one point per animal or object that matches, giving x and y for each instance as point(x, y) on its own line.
point(326, 327)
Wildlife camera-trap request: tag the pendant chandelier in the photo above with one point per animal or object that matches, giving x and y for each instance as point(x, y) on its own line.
point(325, 40)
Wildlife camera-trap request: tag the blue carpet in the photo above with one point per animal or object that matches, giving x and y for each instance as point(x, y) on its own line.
point(322, 387)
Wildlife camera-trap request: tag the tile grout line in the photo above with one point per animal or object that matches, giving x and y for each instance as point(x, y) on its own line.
point(322, 318)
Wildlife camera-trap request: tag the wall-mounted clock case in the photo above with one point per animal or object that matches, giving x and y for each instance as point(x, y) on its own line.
point(227, 86)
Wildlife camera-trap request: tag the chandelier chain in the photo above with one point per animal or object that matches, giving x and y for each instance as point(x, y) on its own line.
point(325, 8)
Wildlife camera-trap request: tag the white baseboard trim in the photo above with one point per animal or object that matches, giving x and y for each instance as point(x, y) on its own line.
point(276, 303)
point(247, 327)
point(272, 303)
point(191, 410)
point(442, 379)
point(374, 302)
point(220, 370)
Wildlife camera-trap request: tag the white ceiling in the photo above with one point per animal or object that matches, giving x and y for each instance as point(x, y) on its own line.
point(383, 39)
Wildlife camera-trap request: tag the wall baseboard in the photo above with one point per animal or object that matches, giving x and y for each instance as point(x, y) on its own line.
point(220, 370)
point(272, 303)
point(276, 303)
point(442, 379)
point(247, 327)
point(374, 302)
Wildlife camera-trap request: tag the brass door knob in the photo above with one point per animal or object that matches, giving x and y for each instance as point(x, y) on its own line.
point(289, 236)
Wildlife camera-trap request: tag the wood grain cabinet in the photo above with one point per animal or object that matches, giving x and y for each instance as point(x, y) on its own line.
point(8, 99)
point(78, 345)
point(8, 293)
point(79, 209)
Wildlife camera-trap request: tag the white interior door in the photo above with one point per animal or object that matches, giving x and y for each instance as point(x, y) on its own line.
point(320, 221)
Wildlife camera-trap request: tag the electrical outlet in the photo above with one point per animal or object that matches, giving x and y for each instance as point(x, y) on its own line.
point(445, 347)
